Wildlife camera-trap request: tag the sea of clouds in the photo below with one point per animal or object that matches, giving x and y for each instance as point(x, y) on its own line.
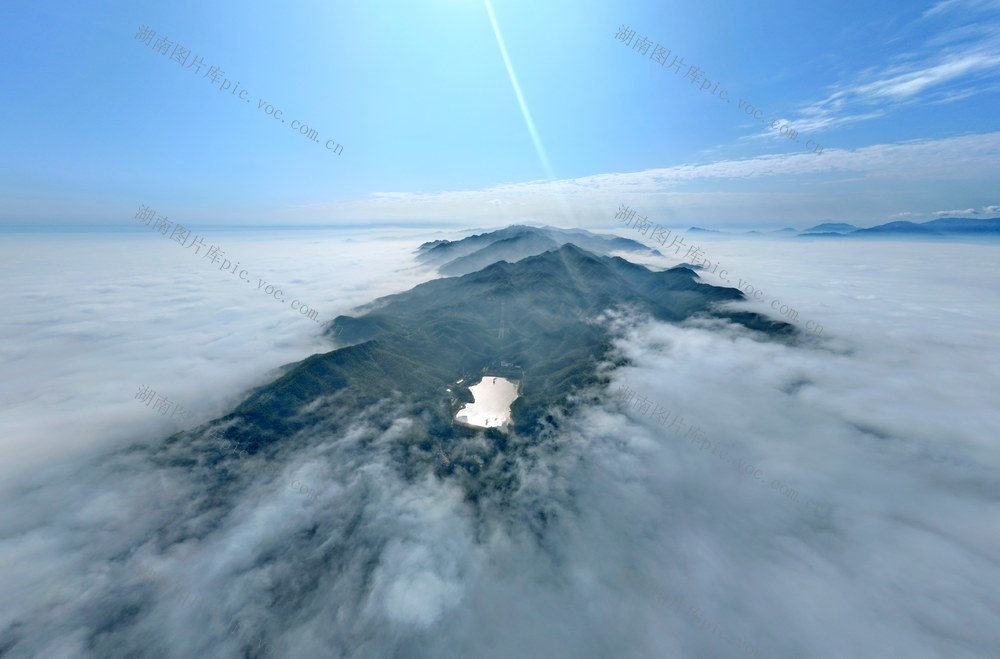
point(620, 537)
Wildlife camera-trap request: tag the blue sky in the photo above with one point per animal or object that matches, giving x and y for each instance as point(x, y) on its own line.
point(903, 96)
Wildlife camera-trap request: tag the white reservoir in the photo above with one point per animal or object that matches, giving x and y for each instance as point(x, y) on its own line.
point(492, 398)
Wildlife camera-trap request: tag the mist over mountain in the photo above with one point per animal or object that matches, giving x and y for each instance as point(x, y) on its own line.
point(831, 227)
point(337, 510)
point(515, 243)
point(416, 344)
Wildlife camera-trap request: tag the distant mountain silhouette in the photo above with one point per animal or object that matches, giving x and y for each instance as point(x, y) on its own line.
point(831, 227)
point(516, 242)
point(945, 226)
point(520, 246)
point(964, 225)
point(942, 227)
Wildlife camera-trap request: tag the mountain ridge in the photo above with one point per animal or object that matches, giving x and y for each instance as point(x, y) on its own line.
point(412, 346)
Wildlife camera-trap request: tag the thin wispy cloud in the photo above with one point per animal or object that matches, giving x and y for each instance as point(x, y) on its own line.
point(946, 6)
point(924, 82)
point(967, 211)
point(962, 212)
point(954, 64)
point(911, 83)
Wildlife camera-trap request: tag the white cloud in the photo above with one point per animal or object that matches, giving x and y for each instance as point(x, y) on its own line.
point(911, 83)
point(945, 6)
point(955, 63)
point(957, 213)
point(852, 103)
point(151, 313)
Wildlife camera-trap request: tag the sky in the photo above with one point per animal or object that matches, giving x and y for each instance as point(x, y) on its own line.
point(438, 124)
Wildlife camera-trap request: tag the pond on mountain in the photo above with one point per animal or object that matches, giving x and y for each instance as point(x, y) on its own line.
point(492, 397)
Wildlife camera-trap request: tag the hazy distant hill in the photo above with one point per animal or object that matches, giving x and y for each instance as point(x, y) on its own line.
point(831, 227)
point(953, 225)
point(440, 252)
point(945, 226)
point(520, 246)
point(514, 243)
point(896, 228)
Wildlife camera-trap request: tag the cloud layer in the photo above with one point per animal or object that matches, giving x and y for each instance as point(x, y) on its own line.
point(606, 535)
